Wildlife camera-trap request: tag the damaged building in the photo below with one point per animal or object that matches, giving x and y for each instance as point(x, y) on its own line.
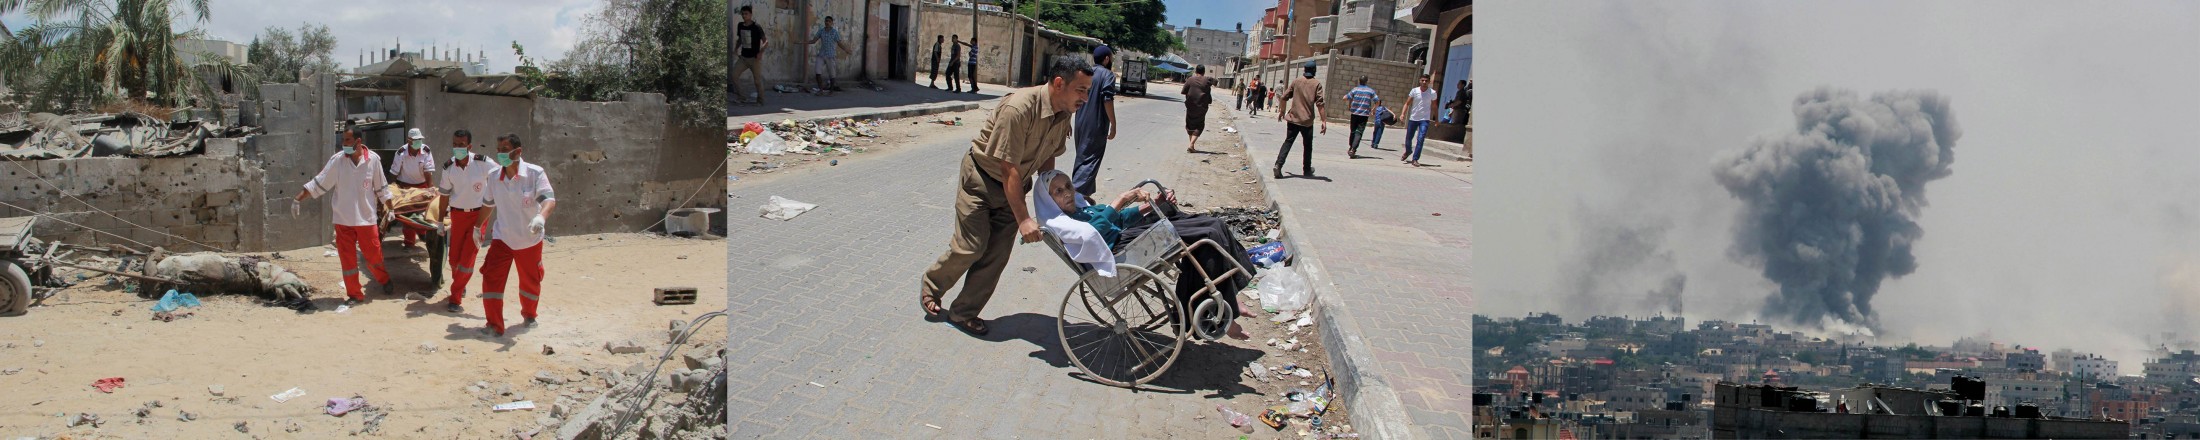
point(196, 180)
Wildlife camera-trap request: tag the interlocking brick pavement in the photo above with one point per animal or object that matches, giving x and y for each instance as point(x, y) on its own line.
point(1395, 244)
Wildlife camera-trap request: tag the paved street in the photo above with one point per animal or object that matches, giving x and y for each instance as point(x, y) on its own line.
point(830, 298)
point(1396, 242)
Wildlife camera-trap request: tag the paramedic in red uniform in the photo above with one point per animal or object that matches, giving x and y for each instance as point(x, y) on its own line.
point(465, 183)
point(355, 177)
point(519, 200)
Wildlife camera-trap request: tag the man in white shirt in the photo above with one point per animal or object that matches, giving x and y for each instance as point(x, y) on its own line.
point(465, 184)
point(414, 168)
point(519, 200)
point(355, 178)
point(1420, 104)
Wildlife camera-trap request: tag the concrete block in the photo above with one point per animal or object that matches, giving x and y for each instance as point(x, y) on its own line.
point(219, 235)
point(221, 198)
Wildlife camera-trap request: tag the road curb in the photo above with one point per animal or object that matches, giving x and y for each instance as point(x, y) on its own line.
point(1377, 411)
point(892, 113)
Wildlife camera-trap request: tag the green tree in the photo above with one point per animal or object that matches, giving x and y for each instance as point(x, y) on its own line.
point(1124, 24)
point(280, 55)
point(78, 53)
point(673, 47)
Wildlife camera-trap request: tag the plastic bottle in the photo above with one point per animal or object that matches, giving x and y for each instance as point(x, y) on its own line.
point(1235, 418)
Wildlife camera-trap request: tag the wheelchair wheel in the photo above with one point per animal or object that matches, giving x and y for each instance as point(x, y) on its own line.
point(1124, 338)
point(1211, 319)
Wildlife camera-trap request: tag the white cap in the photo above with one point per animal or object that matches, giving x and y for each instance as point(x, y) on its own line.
point(414, 134)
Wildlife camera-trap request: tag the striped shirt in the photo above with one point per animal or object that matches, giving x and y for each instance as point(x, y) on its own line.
point(1361, 99)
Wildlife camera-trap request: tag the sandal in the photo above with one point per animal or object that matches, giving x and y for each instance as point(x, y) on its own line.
point(930, 304)
point(975, 326)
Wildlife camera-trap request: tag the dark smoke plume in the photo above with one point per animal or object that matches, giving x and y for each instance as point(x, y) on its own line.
point(1829, 210)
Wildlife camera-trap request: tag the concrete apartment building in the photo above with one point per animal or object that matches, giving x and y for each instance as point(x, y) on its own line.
point(1213, 48)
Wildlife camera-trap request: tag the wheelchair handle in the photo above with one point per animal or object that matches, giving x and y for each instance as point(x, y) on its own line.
point(1161, 205)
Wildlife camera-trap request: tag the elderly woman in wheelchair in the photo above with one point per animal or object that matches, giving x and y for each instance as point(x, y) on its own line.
point(1209, 261)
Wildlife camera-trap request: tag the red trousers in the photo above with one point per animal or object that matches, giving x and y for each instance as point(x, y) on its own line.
point(462, 251)
point(499, 263)
point(352, 242)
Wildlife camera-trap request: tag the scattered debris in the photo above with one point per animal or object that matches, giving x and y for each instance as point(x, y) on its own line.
point(548, 378)
point(627, 346)
point(780, 208)
point(170, 316)
point(928, 425)
point(11, 371)
point(185, 416)
point(86, 419)
point(546, 351)
point(243, 427)
point(515, 406)
point(428, 348)
point(214, 272)
point(340, 406)
point(107, 385)
point(1236, 419)
point(285, 396)
point(216, 390)
point(674, 295)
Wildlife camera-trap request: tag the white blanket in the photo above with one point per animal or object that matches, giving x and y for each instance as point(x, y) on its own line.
point(1083, 242)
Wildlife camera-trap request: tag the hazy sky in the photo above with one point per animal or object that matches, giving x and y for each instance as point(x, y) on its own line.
point(2069, 219)
point(546, 27)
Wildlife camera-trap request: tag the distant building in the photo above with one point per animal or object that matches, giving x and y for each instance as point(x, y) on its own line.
point(195, 51)
point(2092, 367)
point(2025, 360)
point(1211, 47)
point(1756, 411)
point(2180, 367)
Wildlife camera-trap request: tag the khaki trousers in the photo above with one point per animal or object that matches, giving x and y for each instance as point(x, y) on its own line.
point(985, 232)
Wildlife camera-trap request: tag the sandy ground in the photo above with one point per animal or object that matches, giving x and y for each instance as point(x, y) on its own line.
point(1224, 178)
point(598, 290)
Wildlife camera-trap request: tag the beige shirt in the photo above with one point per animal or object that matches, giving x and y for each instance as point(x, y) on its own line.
point(1302, 95)
point(1025, 131)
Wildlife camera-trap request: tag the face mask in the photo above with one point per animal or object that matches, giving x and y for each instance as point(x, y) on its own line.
point(504, 159)
point(458, 153)
point(347, 150)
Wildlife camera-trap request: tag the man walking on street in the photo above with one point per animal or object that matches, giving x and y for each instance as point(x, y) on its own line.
point(954, 73)
point(414, 168)
point(1253, 95)
point(1095, 122)
point(1198, 95)
point(1302, 102)
point(749, 39)
point(520, 201)
point(1361, 101)
point(937, 40)
point(1420, 105)
point(828, 40)
point(465, 186)
point(355, 177)
point(1027, 131)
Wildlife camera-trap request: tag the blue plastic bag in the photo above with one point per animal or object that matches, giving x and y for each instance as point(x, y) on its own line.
point(1267, 254)
point(174, 300)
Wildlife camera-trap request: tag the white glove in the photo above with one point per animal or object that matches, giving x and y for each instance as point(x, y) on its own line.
point(294, 207)
point(536, 226)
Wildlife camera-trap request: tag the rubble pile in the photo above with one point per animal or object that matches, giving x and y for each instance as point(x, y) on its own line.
point(50, 136)
point(686, 400)
point(1251, 225)
point(209, 272)
point(804, 137)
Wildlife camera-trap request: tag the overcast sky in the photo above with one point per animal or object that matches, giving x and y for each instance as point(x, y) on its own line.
point(2070, 218)
point(546, 27)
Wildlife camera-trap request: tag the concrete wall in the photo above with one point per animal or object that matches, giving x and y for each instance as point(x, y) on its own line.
point(1000, 39)
point(864, 26)
point(618, 166)
point(1339, 74)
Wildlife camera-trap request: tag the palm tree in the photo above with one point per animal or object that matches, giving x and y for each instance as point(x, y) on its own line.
point(79, 52)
